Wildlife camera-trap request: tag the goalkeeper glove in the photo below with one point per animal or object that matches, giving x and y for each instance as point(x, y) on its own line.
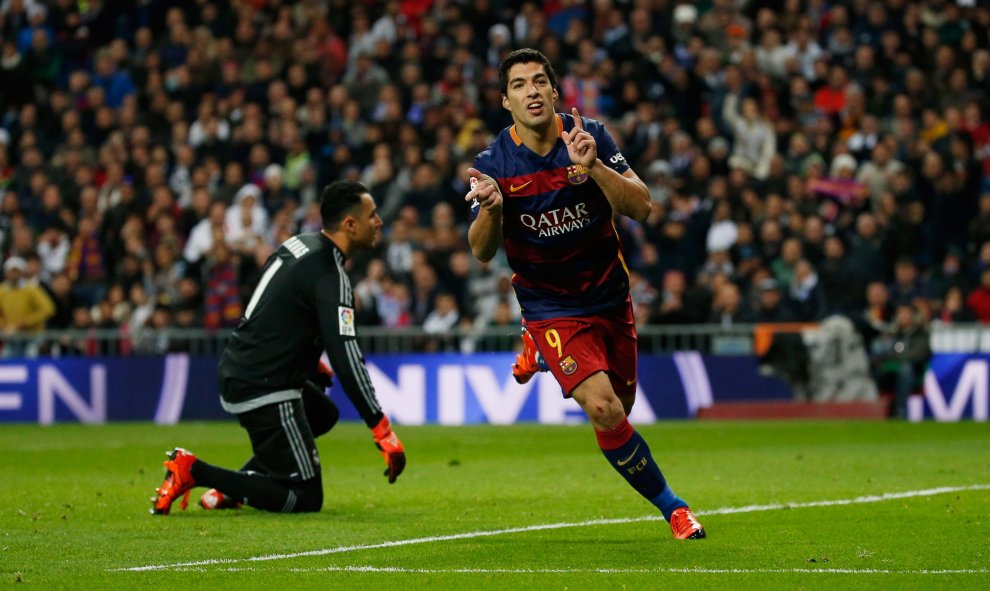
point(391, 448)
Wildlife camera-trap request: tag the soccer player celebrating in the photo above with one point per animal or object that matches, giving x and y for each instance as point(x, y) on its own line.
point(547, 189)
point(270, 375)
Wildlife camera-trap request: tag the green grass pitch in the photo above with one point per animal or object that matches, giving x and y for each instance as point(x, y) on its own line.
point(75, 510)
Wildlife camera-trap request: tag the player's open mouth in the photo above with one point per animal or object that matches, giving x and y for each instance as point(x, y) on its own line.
point(535, 108)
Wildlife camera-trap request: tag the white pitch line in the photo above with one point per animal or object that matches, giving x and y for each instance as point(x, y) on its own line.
point(672, 570)
point(856, 501)
point(550, 526)
point(610, 571)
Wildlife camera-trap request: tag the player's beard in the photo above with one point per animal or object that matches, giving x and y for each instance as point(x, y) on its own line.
point(375, 240)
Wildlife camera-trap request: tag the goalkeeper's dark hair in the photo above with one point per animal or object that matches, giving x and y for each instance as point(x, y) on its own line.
point(337, 200)
point(526, 55)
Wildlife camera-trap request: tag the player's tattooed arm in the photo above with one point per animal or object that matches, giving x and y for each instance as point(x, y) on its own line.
point(485, 233)
point(626, 192)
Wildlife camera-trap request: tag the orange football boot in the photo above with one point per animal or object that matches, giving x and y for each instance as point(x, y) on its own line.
point(527, 362)
point(685, 525)
point(178, 482)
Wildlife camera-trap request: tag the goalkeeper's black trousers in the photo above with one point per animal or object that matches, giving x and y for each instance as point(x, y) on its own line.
point(283, 475)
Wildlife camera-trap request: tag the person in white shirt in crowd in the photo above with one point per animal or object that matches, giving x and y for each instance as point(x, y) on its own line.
point(246, 221)
point(53, 248)
point(441, 320)
point(754, 141)
point(201, 237)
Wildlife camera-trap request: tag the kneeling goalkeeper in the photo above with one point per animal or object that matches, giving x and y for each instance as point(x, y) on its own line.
point(270, 376)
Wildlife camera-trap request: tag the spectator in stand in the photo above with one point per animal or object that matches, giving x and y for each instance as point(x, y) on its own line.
point(205, 233)
point(80, 343)
point(841, 186)
point(59, 289)
point(112, 311)
point(116, 83)
point(442, 319)
point(168, 271)
point(643, 296)
point(879, 312)
point(424, 287)
point(723, 231)
point(907, 286)
point(275, 194)
point(53, 248)
point(96, 125)
point(770, 305)
point(233, 181)
point(876, 173)
point(153, 338)
point(842, 289)
point(900, 355)
point(246, 221)
point(785, 266)
point(950, 274)
point(24, 305)
point(754, 141)
point(367, 291)
point(866, 256)
point(953, 308)
point(85, 264)
point(394, 304)
point(670, 307)
point(141, 305)
point(979, 299)
point(805, 294)
point(502, 323)
point(727, 306)
point(222, 296)
point(185, 319)
point(746, 254)
point(830, 99)
point(399, 252)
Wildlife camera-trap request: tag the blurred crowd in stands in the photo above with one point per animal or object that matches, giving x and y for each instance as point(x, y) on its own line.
point(805, 157)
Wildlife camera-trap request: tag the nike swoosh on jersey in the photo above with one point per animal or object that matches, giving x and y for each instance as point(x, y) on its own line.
point(629, 459)
point(514, 188)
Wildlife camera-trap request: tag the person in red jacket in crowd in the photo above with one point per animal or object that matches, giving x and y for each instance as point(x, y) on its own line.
point(979, 299)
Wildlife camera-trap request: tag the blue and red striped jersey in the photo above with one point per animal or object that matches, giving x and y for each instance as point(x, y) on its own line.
point(557, 225)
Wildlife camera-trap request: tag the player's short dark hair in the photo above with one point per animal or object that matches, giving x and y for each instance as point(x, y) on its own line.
point(337, 199)
point(525, 55)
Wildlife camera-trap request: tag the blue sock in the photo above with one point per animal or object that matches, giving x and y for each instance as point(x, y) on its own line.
point(629, 454)
point(667, 502)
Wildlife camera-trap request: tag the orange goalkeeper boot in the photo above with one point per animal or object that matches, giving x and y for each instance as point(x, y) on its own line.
point(178, 482)
point(685, 525)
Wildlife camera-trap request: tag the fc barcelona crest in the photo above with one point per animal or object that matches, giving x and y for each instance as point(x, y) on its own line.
point(576, 174)
point(567, 364)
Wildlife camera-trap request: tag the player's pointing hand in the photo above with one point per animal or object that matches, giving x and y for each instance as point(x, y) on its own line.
point(581, 145)
point(484, 190)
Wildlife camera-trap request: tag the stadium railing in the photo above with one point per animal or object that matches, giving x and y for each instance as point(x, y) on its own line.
point(706, 338)
point(715, 339)
point(960, 338)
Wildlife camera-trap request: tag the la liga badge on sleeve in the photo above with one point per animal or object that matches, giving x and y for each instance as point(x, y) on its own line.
point(346, 317)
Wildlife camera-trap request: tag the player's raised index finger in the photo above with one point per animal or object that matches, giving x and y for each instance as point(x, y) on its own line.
point(578, 124)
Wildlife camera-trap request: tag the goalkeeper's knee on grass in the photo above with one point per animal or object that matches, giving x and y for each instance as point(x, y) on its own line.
point(308, 496)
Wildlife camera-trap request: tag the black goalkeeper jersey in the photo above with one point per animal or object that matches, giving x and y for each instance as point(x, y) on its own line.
point(302, 305)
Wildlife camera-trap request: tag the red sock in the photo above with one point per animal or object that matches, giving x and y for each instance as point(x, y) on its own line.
point(615, 438)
